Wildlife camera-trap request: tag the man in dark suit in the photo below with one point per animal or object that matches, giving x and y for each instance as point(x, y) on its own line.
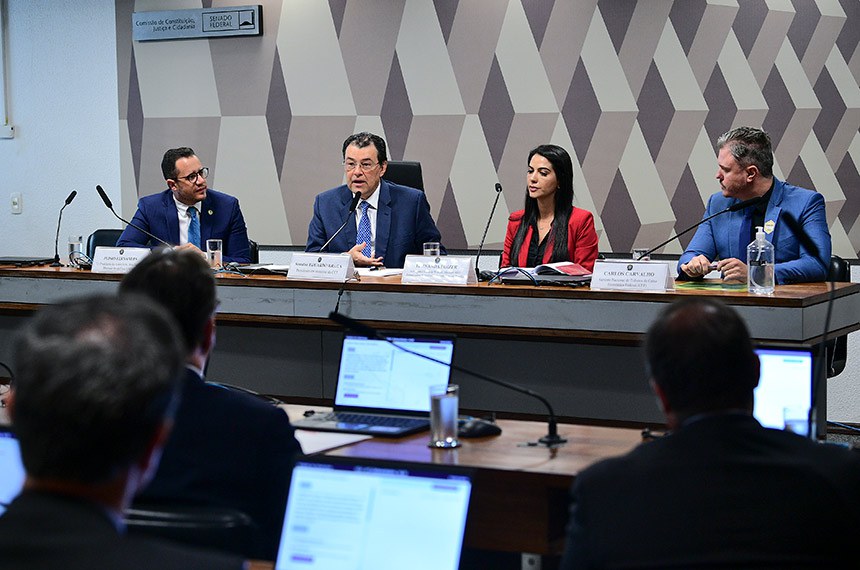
point(189, 212)
point(720, 491)
point(391, 221)
point(96, 385)
point(228, 448)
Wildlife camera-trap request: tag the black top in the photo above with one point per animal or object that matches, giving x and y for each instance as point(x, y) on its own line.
point(758, 212)
point(537, 248)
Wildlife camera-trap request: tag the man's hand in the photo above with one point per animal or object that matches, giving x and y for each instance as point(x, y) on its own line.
point(699, 266)
point(190, 246)
point(733, 269)
point(362, 260)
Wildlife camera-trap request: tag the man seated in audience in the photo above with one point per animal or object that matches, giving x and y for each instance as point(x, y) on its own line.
point(96, 385)
point(720, 490)
point(390, 220)
point(228, 448)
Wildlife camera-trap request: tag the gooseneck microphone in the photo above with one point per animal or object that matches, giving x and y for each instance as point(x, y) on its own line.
point(56, 262)
point(108, 203)
point(820, 376)
point(487, 275)
point(352, 206)
point(733, 208)
point(552, 439)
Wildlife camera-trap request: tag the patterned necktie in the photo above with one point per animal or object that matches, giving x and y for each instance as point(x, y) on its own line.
point(194, 227)
point(364, 235)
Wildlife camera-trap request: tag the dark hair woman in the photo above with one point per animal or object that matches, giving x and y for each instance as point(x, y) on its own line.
point(550, 228)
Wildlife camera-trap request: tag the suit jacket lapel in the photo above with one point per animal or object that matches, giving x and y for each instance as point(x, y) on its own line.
point(349, 233)
point(206, 219)
point(774, 209)
point(171, 218)
point(383, 219)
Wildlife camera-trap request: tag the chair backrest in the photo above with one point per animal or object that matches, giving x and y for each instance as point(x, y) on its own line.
point(405, 173)
point(837, 349)
point(223, 529)
point(255, 251)
point(105, 237)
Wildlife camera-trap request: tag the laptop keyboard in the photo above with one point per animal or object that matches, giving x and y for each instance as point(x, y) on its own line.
point(389, 421)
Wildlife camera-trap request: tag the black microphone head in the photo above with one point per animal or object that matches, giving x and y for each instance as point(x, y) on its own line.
point(498, 187)
point(745, 204)
point(105, 199)
point(71, 197)
point(353, 325)
point(355, 199)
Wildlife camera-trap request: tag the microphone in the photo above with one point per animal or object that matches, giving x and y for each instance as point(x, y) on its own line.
point(108, 203)
point(733, 208)
point(820, 371)
point(487, 275)
point(352, 206)
point(56, 262)
point(552, 439)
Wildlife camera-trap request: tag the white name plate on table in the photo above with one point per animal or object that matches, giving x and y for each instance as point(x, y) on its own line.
point(322, 267)
point(117, 259)
point(439, 270)
point(629, 275)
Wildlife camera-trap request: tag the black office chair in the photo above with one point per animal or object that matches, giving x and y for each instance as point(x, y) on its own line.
point(837, 349)
point(255, 251)
point(405, 173)
point(106, 238)
point(224, 529)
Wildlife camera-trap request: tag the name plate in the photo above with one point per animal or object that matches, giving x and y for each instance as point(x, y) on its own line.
point(439, 270)
point(322, 267)
point(629, 275)
point(117, 259)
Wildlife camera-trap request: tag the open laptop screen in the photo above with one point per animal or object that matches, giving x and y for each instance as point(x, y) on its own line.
point(784, 393)
point(11, 469)
point(374, 374)
point(354, 513)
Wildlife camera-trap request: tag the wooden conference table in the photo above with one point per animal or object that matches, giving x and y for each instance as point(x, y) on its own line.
point(578, 348)
point(520, 494)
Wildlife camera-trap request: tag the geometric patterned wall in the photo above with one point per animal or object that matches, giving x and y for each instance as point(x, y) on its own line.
point(637, 91)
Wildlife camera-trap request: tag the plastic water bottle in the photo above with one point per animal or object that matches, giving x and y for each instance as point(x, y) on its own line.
point(760, 264)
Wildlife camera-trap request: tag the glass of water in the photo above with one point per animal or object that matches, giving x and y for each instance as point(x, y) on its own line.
point(433, 248)
point(444, 411)
point(214, 253)
point(76, 249)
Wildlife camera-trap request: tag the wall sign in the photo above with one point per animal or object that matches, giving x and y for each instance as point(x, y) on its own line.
point(194, 24)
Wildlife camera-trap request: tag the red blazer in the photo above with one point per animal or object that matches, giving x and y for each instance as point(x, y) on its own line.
point(581, 240)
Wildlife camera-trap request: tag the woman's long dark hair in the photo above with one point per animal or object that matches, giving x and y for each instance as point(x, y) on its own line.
point(563, 168)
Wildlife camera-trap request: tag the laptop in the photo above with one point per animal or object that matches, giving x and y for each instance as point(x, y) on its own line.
point(783, 397)
point(383, 390)
point(368, 515)
point(11, 468)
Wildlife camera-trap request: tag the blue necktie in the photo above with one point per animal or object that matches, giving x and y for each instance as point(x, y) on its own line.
point(194, 227)
point(364, 235)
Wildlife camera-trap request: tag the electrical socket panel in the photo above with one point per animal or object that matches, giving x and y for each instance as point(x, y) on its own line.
point(17, 203)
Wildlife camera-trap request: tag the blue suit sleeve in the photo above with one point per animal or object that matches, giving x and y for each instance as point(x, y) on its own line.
point(131, 236)
point(236, 247)
point(316, 229)
point(703, 242)
point(807, 267)
point(425, 227)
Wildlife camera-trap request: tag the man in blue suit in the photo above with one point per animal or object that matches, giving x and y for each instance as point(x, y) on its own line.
point(391, 221)
point(188, 213)
point(746, 171)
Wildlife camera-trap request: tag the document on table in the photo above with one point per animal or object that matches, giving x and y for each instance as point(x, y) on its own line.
point(317, 441)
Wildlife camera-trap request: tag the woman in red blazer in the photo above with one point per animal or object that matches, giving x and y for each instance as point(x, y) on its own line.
point(550, 228)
